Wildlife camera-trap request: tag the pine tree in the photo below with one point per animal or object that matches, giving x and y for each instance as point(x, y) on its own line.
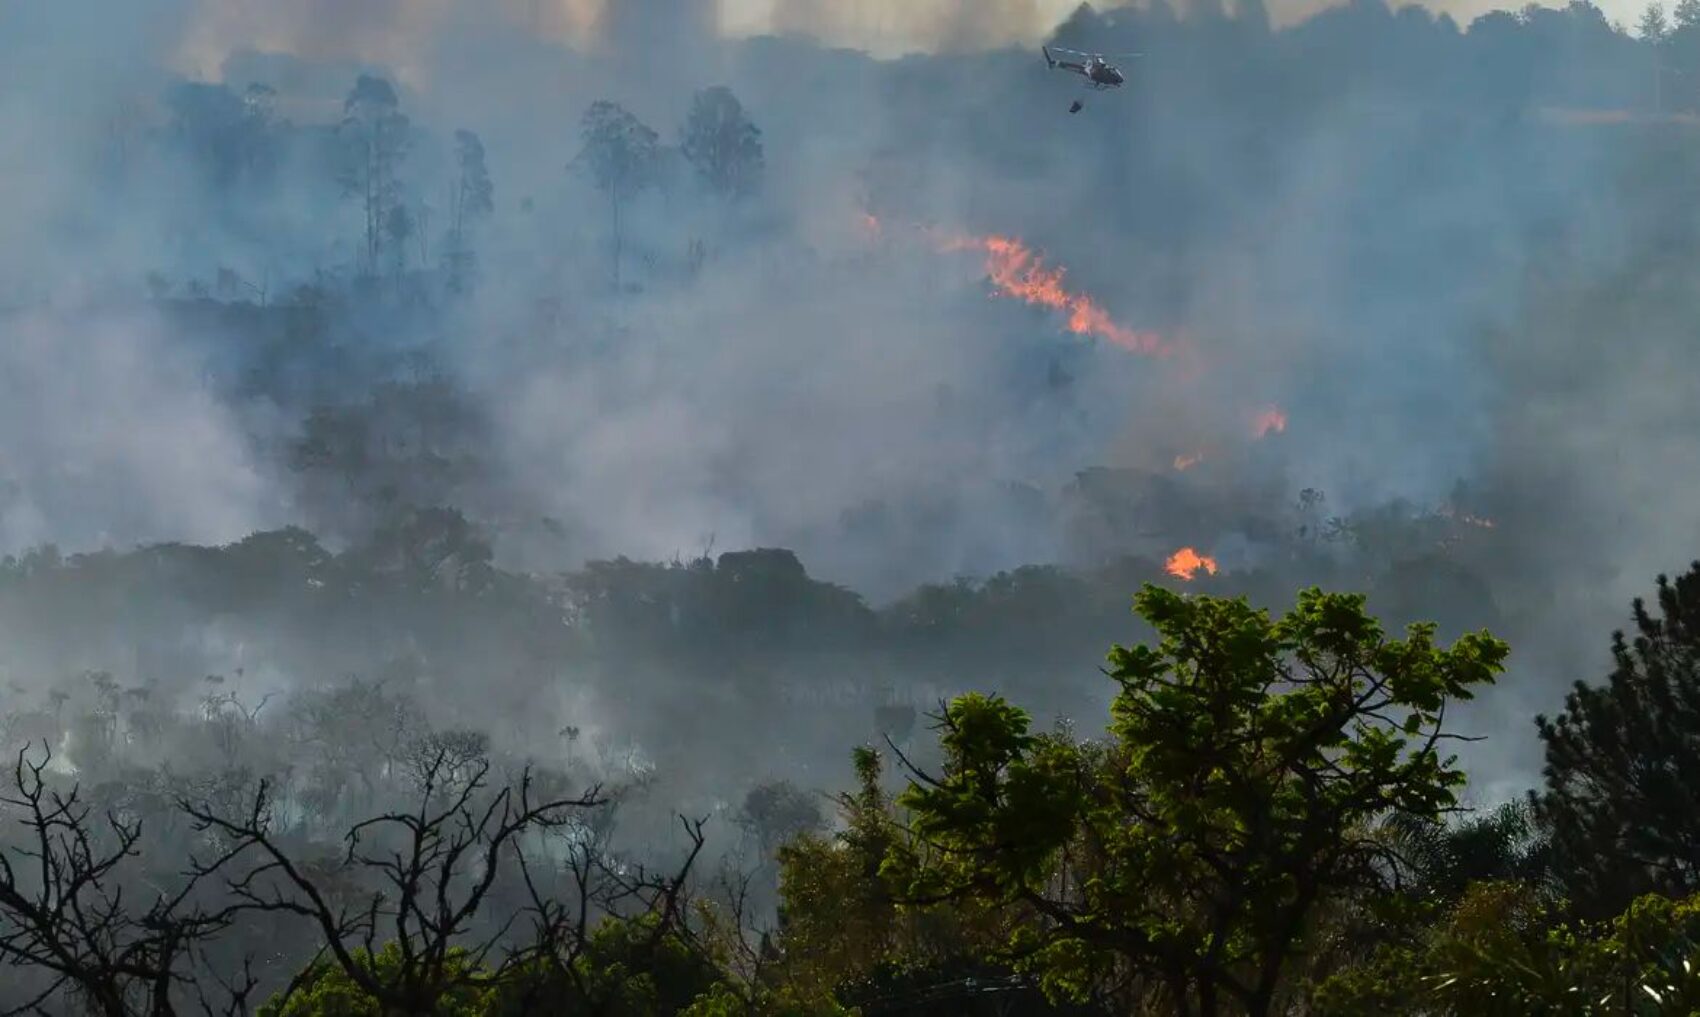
point(1621, 803)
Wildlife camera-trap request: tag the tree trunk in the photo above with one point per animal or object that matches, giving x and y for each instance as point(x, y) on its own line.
point(372, 214)
point(424, 239)
point(1207, 1006)
point(614, 195)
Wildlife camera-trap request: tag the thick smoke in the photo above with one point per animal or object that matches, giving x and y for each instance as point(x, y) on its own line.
point(1398, 231)
point(110, 439)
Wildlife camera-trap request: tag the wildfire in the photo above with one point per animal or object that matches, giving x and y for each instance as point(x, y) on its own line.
point(1270, 421)
point(1016, 271)
point(1186, 563)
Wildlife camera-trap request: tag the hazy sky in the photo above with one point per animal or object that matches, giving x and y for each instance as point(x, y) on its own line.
point(890, 26)
point(392, 31)
point(887, 26)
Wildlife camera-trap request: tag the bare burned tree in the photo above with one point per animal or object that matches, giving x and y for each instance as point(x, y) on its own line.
point(429, 873)
point(444, 759)
point(63, 910)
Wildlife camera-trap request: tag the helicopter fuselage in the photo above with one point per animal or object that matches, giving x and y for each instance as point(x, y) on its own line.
point(1102, 75)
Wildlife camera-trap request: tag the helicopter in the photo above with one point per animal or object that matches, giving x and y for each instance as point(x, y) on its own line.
point(1098, 72)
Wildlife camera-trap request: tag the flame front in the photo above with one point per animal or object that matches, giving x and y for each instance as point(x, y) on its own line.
point(1016, 271)
point(1186, 563)
point(1270, 421)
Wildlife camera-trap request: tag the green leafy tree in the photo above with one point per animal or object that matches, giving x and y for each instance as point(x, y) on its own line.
point(1507, 949)
point(625, 971)
point(375, 137)
point(725, 1000)
point(622, 154)
point(326, 990)
point(472, 198)
point(1249, 764)
point(1444, 860)
point(639, 967)
point(1655, 29)
point(837, 919)
point(722, 145)
point(206, 121)
point(776, 812)
point(1500, 950)
point(1653, 26)
point(848, 939)
point(1678, 56)
point(431, 548)
point(1619, 799)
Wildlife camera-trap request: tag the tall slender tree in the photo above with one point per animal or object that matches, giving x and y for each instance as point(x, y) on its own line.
point(1620, 802)
point(472, 198)
point(375, 141)
point(622, 154)
point(1655, 30)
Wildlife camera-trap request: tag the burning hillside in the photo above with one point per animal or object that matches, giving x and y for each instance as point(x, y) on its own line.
point(1018, 272)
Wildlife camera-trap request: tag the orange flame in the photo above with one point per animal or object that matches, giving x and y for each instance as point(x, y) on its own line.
point(1187, 462)
point(1186, 563)
point(1016, 271)
point(871, 224)
point(1270, 421)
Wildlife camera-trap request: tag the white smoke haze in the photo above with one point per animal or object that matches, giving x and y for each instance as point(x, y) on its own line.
point(1432, 290)
point(668, 439)
point(110, 438)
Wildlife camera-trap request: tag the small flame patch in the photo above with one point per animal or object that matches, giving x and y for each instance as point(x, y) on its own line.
point(1271, 421)
point(1187, 563)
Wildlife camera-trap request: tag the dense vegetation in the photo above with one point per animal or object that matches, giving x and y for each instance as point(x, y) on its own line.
point(1269, 822)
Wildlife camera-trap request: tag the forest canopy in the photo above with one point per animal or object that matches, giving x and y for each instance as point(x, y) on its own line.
point(1269, 820)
